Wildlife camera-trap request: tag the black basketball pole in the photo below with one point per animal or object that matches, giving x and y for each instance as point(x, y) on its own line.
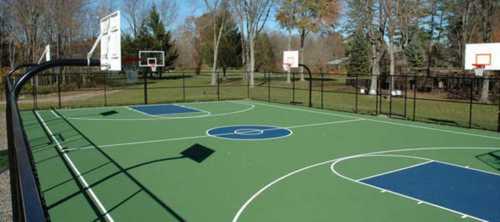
point(310, 83)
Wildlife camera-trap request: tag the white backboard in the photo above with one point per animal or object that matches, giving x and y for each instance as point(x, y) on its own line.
point(482, 53)
point(45, 54)
point(111, 56)
point(290, 59)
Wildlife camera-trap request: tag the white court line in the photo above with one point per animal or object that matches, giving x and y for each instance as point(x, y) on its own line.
point(54, 113)
point(79, 176)
point(413, 125)
point(396, 170)
point(206, 135)
point(254, 196)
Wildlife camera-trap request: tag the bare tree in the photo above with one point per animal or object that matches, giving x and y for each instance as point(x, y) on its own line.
point(487, 11)
point(134, 12)
point(168, 11)
point(376, 27)
point(253, 14)
point(218, 17)
point(307, 17)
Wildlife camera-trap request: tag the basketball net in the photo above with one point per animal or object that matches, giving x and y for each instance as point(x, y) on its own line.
point(286, 67)
point(153, 67)
point(479, 69)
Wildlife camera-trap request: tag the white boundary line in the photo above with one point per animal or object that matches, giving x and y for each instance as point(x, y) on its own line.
point(413, 125)
point(75, 170)
point(279, 179)
point(54, 113)
point(419, 201)
point(394, 171)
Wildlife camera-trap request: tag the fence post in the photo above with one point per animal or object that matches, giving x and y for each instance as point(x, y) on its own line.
point(145, 77)
point(248, 83)
point(183, 86)
point(377, 96)
point(322, 88)
point(218, 86)
point(414, 96)
point(498, 111)
point(33, 92)
point(268, 87)
point(105, 89)
point(59, 88)
point(356, 89)
point(406, 95)
point(391, 89)
point(470, 100)
point(293, 88)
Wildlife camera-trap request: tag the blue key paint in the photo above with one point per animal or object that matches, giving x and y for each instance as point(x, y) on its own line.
point(163, 109)
point(468, 191)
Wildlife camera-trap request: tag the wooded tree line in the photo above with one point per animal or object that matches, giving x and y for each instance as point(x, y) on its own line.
point(416, 35)
point(376, 36)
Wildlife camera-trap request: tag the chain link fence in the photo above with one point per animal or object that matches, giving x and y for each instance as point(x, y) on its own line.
point(464, 101)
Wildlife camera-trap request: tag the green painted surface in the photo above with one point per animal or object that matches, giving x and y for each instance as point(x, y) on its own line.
point(137, 175)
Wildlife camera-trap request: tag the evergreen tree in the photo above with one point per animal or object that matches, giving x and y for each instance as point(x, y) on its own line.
point(230, 45)
point(359, 55)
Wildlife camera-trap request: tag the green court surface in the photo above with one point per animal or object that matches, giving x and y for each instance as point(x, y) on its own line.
point(118, 164)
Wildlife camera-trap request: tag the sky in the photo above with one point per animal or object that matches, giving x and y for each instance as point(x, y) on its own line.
point(187, 8)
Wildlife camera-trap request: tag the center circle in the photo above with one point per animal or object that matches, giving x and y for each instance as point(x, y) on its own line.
point(249, 132)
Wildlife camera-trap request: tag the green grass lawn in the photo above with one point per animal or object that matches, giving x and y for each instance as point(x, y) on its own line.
point(338, 95)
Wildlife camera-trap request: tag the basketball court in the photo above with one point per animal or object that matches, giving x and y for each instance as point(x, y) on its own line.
point(248, 160)
point(245, 161)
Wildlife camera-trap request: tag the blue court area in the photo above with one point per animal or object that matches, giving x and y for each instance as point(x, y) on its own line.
point(249, 132)
point(163, 109)
point(467, 191)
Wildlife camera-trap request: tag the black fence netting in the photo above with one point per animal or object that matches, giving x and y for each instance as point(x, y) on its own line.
point(27, 203)
point(465, 101)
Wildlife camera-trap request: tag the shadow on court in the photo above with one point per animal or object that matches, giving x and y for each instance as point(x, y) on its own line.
point(69, 136)
point(491, 159)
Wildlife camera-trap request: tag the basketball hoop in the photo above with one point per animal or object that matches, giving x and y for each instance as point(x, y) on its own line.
point(151, 59)
point(479, 69)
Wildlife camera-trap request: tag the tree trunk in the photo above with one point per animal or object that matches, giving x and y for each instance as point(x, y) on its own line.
point(252, 60)
point(289, 72)
point(12, 54)
point(217, 38)
point(486, 30)
point(375, 70)
point(392, 64)
point(485, 91)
